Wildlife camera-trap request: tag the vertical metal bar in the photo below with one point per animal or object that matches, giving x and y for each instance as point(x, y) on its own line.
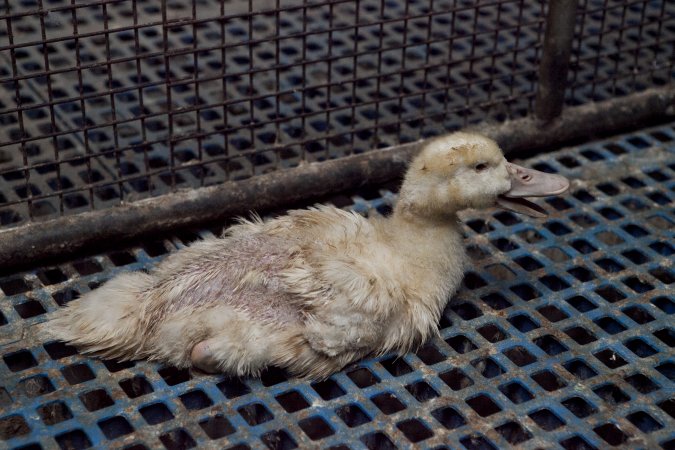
point(20, 109)
point(227, 162)
point(83, 108)
point(555, 59)
point(169, 101)
point(52, 112)
point(141, 100)
point(355, 66)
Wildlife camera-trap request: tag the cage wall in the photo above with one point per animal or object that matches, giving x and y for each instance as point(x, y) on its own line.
point(107, 102)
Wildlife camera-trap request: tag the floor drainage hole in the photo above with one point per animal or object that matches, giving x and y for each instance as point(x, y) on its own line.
point(156, 413)
point(611, 394)
point(396, 366)
point(177, 439)
point(576, 443)
point(548, 380)
point(376, 441)
point(550, 345)
point(492, 333)
point(483, 405)
point(96, 399)
point(476, 442)
point(580, 369)
point(456, 379)
point(421, 391)
point(19, 361)
point(13, 426)
point(352, 415)
point(115, 427)
point(640, 348)
point(667, 336)
point(580, 335)
point(581, 304)
point(552, 313)
point(579, 407)
point(328, 389)
point(667, 370)
point(316, 428)
point(449, 417)
point(641, 383)
point(73, 440)
point(36, 386)
point(255, 414)
point(513, 432)
point(520, 356)
point(429, 355)
point(388, 403)
point(546, 419)
point(29, 309)
point(610, 294)
point(488, 367)
point(611, 434)
point(77, 373)
point(136, 386)
point(363, 377)
point(414, 430)
point(292, 401)
point(638, 314)
point(196, 399)
point(523, 323)
point(14, 286)
point(644, 422)
point(217, 427)
point(53, 413)
point(664, 304)
point(461, 344)
point(496, 301)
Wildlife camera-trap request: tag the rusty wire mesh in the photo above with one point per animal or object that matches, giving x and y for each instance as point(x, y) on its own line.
point(110, 101)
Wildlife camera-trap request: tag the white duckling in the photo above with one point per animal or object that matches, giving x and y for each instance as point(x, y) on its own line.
point(313, 290)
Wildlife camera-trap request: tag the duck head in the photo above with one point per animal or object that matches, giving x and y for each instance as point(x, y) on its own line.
point(466, 170)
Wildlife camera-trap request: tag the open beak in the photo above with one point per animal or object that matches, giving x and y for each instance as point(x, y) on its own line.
point(530, 183)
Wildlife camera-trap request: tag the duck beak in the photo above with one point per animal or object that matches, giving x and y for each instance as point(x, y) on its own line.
point(530, 183)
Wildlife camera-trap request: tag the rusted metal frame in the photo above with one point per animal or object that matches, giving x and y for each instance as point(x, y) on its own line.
point(59, 237)
point(555, 59)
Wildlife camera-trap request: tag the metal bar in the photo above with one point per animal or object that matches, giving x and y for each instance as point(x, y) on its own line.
point(555, 59)
point(28, 244)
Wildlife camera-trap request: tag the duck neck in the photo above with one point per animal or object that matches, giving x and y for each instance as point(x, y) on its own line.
point(425, 235)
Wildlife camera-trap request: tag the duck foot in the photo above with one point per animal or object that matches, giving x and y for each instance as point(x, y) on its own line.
point(203, 359)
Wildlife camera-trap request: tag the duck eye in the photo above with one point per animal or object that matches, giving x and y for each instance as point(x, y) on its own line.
point(480, 167)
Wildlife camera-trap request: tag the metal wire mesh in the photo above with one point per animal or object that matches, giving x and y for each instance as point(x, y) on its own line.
point(621, 48)
point(110, 101)
point(561, 337)
point(103, 102)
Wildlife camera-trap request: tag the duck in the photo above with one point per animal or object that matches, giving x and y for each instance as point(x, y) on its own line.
point(313, 290)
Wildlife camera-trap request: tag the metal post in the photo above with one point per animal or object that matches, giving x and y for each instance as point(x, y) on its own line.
point(555, 59)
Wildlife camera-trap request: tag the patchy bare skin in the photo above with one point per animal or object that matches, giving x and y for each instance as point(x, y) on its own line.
point(310, 291)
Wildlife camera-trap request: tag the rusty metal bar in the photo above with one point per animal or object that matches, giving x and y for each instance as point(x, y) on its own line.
point(30, 243)
point(555, 59)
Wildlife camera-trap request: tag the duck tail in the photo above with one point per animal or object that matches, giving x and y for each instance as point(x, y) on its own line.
point(105, 321)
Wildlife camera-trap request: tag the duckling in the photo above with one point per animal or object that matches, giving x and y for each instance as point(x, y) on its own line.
point(313, 290)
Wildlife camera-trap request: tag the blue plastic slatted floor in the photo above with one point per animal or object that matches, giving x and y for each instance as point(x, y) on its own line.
point(560, 338)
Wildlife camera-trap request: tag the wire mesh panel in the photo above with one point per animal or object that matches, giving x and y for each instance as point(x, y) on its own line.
point(110, 101)
point(621, 47)
point(561, 337)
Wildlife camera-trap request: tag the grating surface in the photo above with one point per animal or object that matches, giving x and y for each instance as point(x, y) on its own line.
point(561, 337)
point(110, 101)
